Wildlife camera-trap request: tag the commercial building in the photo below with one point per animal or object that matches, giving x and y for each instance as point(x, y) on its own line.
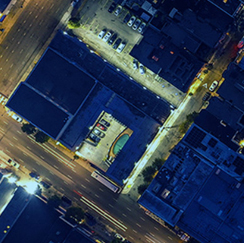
point(90, 107)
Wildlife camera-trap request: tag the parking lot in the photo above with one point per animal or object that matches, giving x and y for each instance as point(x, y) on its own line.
point(94, 18)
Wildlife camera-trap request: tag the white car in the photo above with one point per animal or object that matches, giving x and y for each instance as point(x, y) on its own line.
point(107, 36)
point(121, 47)
point(17, 118)
point(135, 64)
point(141, 27)
point(131, 21)
point(136, 24)
point(118, 11)
point(213, 86)
point(102, 33)
point(141, 69)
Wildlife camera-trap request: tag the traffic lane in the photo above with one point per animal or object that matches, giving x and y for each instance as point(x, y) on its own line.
point(44, 33)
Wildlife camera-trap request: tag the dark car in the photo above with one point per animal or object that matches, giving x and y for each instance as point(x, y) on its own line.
point(45, 184)
point(112, 39)
point(116, 44)
point(94, 138)
point(105, 123)
point(35, 175)
point(127, 18)
point(112, 7)
point(66, 201)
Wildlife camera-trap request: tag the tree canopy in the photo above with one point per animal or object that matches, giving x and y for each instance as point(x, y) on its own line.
point(41, 137)
point(75, 213)
point(28, 128)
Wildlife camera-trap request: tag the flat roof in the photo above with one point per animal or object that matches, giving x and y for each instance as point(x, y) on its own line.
point(38, 110)
point(4, 4)
point(61, 81)
point(38, 223)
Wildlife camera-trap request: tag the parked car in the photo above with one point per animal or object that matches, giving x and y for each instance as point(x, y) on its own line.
point(206, 97)
point(112, 7)
point(116, 44)
point(99, 133)
point(142, 27)
point(101, 127)
point(102, 33)
point(17, 118)
point(131, 21)
point(107, 36)
point(141, 69)
point(112, 39)
point(121, 47)
point(94, 138)
point(135, 64)
point(34, 175)
point(118, 11)
point(213, 86)
point(127, 18)
point(105, 123)
point(136, 24)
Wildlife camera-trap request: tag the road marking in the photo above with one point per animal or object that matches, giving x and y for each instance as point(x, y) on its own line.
point(101, 189)
point(87, 180)
point(11, 144)
point(38, 162)
point(124, 215)
point(142, 219)
point(170, 238)
point(96, 196)
point(56, 166)
point(135, 231)
point(65, 183)
point(156, 228)
point(70, 177)
point(19, 132)
point(138, 225)
point(28, 147)
point(42, 157)
point(110, 205)
point(25, 154)
point(51, 172)
point(83, 186)
point(129, 209)
point(5, 122)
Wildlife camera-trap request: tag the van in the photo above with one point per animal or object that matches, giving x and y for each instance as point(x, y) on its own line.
point(17, 118)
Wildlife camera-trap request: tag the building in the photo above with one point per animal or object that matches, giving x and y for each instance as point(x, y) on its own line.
point(81, 101)
point(200, 187)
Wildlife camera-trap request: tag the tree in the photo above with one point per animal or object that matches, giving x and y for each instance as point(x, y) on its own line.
point(116, 240)
point(75, 213)
point(158, 163)
point(28, 128)
point(54, 201)
point(189, 120)
point(142, 188)
point(41, 137)
point(74, 23)
point(76, 157)
point(148, 173)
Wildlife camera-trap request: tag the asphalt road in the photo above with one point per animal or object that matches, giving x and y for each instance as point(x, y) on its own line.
point(24, 41)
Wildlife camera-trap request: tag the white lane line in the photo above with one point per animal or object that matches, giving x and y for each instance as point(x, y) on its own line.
point(65, 183)
point(100, 189)
point(42, 157)
point(142, 219)
point(97, 196)
point(156, 228)
point(138, 225)
point(51, 172)
point(5, 122)
point(19, 132)
point(110, 205)
point(70, 176)
point(124, 215)
point(83, 186)
point(11, 144)
point(25, 154)
point(87, 180)
point(28, 148)
point(170, 238)
point(135, 231)
point(55, 166)
point(129, 209)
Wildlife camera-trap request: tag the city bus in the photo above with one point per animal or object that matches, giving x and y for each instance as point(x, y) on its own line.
point(102, 179)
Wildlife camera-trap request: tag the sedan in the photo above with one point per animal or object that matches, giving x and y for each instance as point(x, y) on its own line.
point(118, 11)
point(102, 33)
point(112, 7)
point(142, 27)
point(116, 44)
point(135, 64)
point(213, 86)
point(136, 24)
point(127, 18)
point(141, 69)
point(112, 39)
point(107, 36)
point(101, 127)
point(131, 21)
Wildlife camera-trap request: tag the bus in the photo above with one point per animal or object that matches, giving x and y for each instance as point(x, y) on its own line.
point(102, 179)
